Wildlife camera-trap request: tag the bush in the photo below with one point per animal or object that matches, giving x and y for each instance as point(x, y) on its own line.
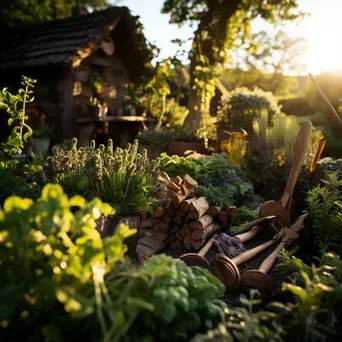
point(156, 138)
point(241, 106)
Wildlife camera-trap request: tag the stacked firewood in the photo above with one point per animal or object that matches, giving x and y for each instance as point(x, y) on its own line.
point(186, 220)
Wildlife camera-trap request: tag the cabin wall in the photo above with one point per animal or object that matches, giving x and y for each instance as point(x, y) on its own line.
point(108, 71)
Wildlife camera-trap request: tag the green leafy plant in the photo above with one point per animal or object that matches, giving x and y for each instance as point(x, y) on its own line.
point(156, 138)
point(324, 208)
point(244, 324)
point(123, 177)
point(44, 131)
point(15, 107)
point(241, 106)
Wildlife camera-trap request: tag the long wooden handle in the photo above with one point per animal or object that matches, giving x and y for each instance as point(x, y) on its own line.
point(334, 117)
point(243, 257)
point(269, 261)
point(204, 250)
point(317, 155)
point(301, 146)
point(249, 235)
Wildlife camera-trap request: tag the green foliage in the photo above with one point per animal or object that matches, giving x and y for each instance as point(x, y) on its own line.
point(241, 106)
point(23, 11)
point(243, 324)
point(316, 310)
point(157, 137)
point(298, 106)
point(15, 107)
point(324, 207)
point(166, 301)
point(44, 131)
point(218, 180)
point(60, 279)
point(122, 177)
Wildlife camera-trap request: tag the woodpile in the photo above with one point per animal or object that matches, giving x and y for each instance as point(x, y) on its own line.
point(187, 220)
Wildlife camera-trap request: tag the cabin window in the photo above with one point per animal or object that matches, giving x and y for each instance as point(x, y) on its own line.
point(77, 89)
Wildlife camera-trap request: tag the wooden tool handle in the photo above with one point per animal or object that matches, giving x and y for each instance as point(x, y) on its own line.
point(334, 117)
point(204, 250)
point(269, 261)
point(299, 224)
point(301, 146)
point(243, 257)
point(249, 235)
point(317, 155)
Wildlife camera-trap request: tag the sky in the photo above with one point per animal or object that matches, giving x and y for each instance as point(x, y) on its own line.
point(321, 30)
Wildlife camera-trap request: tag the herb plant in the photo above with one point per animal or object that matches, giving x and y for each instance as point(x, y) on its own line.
point(324, 207)
point(124, 178)
point(15, 107)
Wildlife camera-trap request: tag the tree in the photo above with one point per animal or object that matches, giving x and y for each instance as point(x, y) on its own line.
point(219, 24)
point(13, 12)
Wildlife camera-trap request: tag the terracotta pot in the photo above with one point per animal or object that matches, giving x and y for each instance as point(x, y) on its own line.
point(222, 126)
point(107, 226)
point(178, 147)
point(153, 152)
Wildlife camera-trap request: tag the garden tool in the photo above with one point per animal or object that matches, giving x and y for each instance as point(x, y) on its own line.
point(235, 242)
point(333, 116)
point(258, 279)
point(317, 155)
point(236, 146)
point(282, 208)
point(226, 269)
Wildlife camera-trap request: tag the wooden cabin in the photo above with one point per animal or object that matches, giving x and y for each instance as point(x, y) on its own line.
point(79, 62)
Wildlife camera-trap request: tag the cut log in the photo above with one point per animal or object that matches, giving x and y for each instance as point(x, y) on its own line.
point(202, 222)
point(197, 235)
point(183, 232)
point(185, 225)
point(199, 207)
point(162, 180)
point(165, 176)
point(187, 242)
point(147, 223)
point(144, 214)
point(223, 216)
point(174, 229)
point(190, 216)
point(177, 180)
point(158, 212)
point(189, 181)
point(179, 236)
point(196, 245)
point(232, 211)
point(170, 194)
point(185, 190)
point(187, 231)
point(178, 220)
point(162, 226)
point(225, 225)
point(214, 210)
point(170, 210)
point(166, 218)
point(147, 246)
point(180, 212)
point(173, 186)
point(185, 205)
point(176, 244)
point(176, 201)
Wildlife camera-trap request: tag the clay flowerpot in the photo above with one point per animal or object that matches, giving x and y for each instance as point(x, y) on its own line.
point(107, 226)
point(178, 147)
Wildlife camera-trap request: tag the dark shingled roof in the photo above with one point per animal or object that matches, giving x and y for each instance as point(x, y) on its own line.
point(70, 40)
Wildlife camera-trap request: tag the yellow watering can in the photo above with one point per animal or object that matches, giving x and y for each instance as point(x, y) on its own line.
point(235, 146)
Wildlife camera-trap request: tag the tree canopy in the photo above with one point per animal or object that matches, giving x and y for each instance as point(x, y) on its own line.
point(13, 12)
point(220, 23)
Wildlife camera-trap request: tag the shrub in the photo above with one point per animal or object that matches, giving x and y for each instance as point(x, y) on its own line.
point(298, 106)
point(157, 138)
point(241, 106)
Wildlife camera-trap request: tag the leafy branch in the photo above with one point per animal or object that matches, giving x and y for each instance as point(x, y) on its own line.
point(15, 105)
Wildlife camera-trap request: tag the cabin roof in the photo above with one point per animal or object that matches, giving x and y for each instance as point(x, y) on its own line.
point(70, 40)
